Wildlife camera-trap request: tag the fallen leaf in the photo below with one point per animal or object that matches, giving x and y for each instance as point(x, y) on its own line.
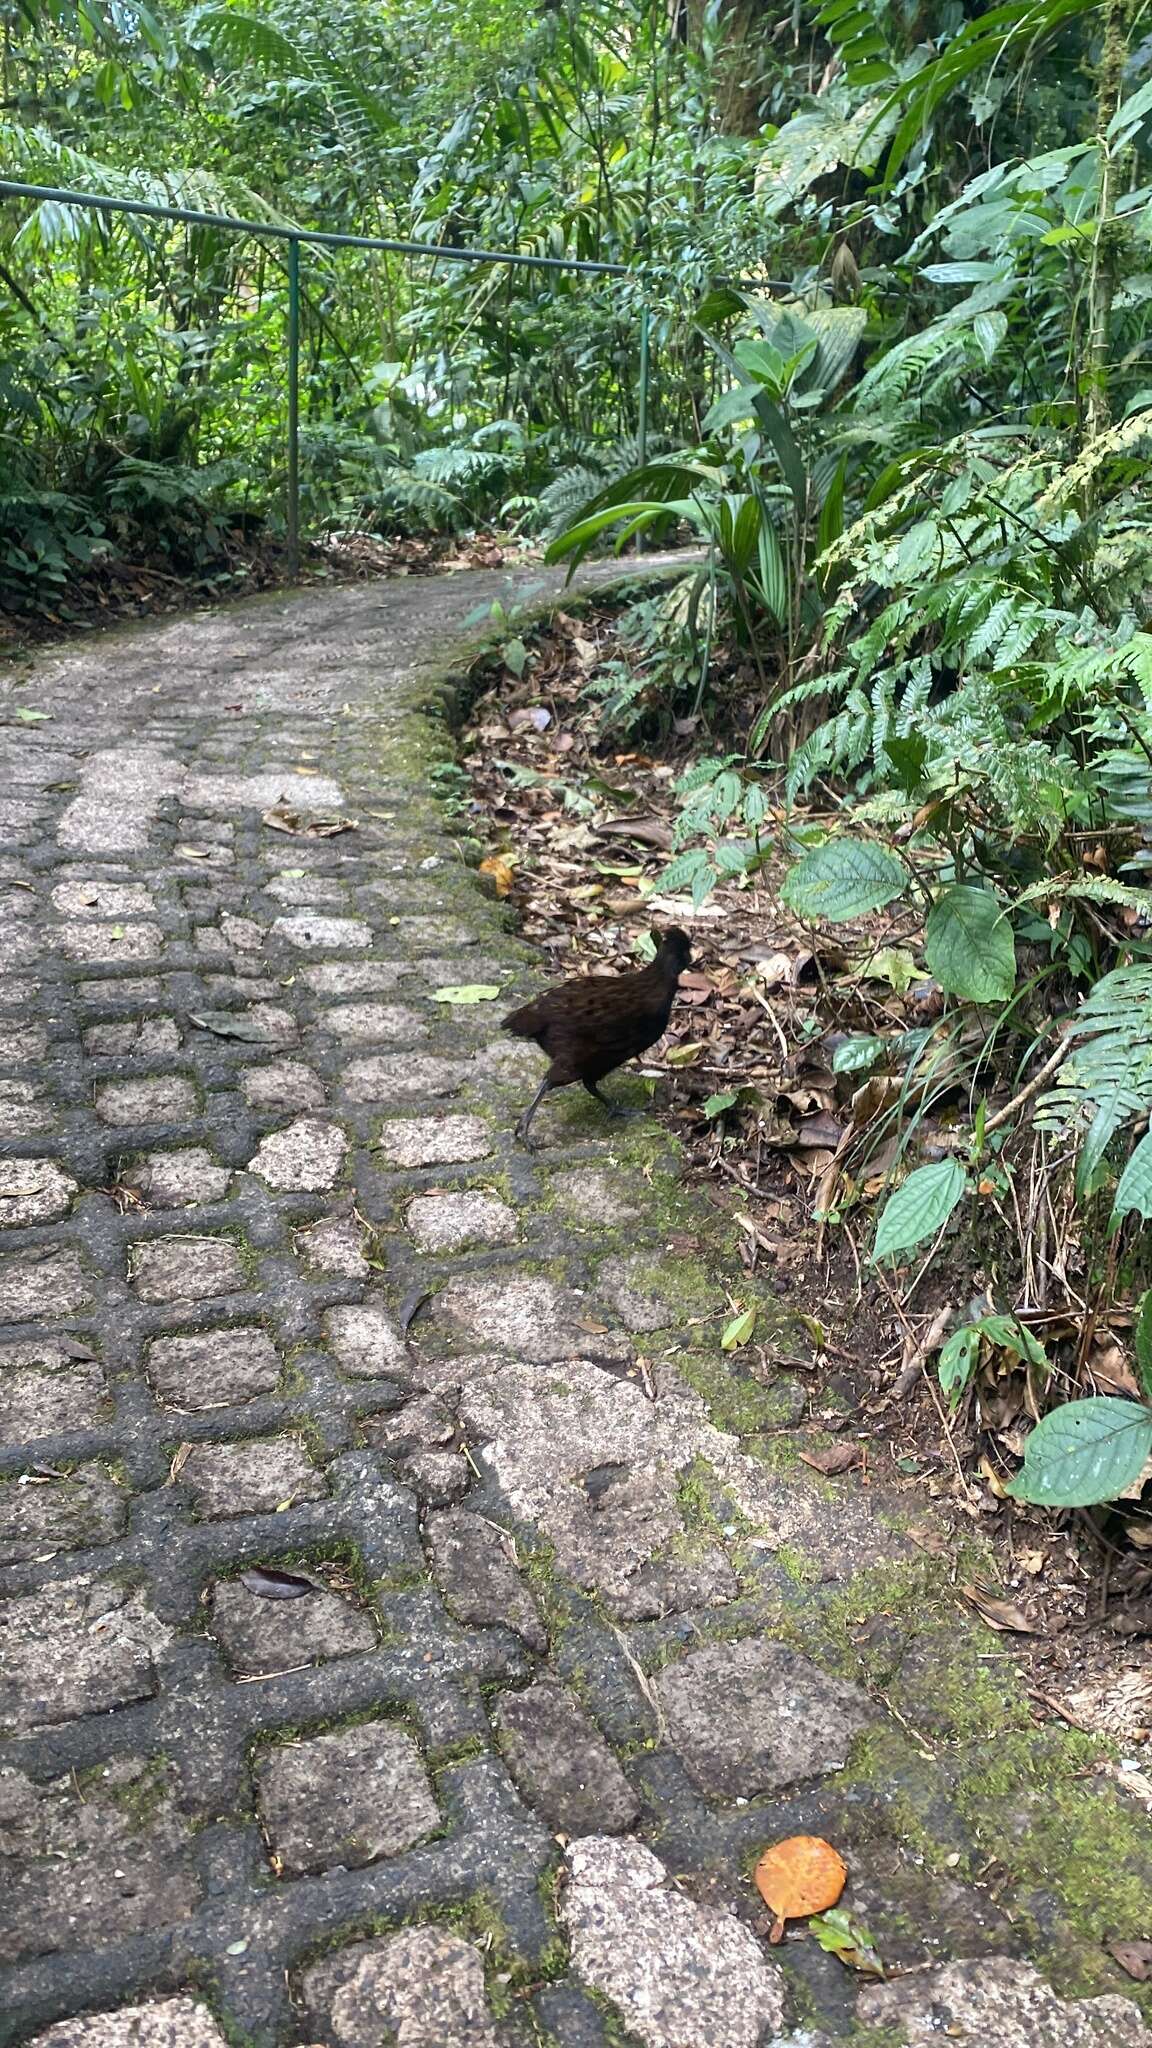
point(271, 1584)
point(799, 1876)
point(1134, 1958)
point(685, 1055)
point(305, 824)
point(499, 874)
point(468, 992)
point(234, 1024)
point(739, 1330)
point(536, 716)
point(648, 831)
point(411, 1306)
point(845, 1938)
point(837, 1458)
point(30, 717)
point(1004, 1615)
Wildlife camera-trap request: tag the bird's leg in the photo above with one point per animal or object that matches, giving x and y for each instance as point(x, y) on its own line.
point(524, 1122)
point(615, 1109)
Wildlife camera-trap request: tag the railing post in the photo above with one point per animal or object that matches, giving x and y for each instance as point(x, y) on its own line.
point(642, 408)
point(293, 506)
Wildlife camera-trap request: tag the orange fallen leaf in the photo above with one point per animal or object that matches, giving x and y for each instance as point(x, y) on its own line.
point(500, 872)
point(797, 1877)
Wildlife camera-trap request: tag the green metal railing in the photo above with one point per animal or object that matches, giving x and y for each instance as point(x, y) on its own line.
point(14, 188)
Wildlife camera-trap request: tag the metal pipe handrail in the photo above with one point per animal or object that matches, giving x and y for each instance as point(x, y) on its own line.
point(284, 231)
point(193, 216)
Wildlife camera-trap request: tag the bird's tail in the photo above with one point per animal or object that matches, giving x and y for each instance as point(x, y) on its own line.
point(522, 1023)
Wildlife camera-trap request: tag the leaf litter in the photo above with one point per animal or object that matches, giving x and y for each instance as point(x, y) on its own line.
point(799, 1063)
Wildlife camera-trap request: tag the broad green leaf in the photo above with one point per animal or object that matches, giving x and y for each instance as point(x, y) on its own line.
point(958, 1360)
point(856, 1054)
point(908, 756)
point(842, 879)
point(467, 992)
point(960, 1355)
point(739, 1330)
point(717, 1104)
point(893, 964)
point(1135, 1188)
point(515, 656)
point(1084, 1453)
point(919, 1208)
point(968, 945)
point(1144, 1345)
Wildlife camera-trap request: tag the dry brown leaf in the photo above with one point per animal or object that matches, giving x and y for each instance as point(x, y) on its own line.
point(797, 1877)
point(837, 1458)
point(1134, 1957)
point(1004, 1615)
point(305, 824)
point(648, 831)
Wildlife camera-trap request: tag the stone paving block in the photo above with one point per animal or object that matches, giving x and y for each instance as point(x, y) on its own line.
point(282, 1084)
point(472, 1562)
point(91, 1864)
point(128, 988)
point(47, 1386)
point(441, 1478)
point(755, 1716)
point(213, 1368)
point(243, 934)
point(434, 1140)
point(311, 932)
point(33, 1191)
point(42, 1284)
point(306, 1155)
point(305, 889)
point(268, 1024)
point(172, 1180)
point(424, 1985)
point(92, 942)
point(153, 1099)
point(39, 1516)
point(595, 1464)
point(336, 1245)
point(258, 1635)
point(367, 1343)
point(397, 1077)
point(445, 1223)
point(24, 1109)
point(186, 1268)
point(76, 1647)
point(260, 791)
point(242, 987)
point(680, 1974)
point(593, 1196)
point(20, 1044)
point(18, 946)
point(353, 977)
point(146, 1037)
point(424, 1423)
point(375, 1020)
point(561, 1763)
point(997, 2002)
point(254, 1477)
point(348, 1798)
point(77, 898)
point(528, 1315)
point(641, 1287)
point(163, 2023)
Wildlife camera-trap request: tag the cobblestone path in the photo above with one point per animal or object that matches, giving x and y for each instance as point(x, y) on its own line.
point(563, 1635)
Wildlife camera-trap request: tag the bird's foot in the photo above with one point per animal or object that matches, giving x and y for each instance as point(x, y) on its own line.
point(520, 1134)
